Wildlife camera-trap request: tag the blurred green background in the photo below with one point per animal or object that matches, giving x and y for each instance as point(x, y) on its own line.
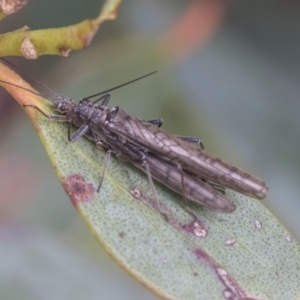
point(228, 72)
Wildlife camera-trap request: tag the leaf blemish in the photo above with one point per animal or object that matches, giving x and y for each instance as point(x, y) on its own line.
point(196, 228)
point(122, 234)
point(28, 49)
point(289, 239)
point(65, 51)
point(231, 288)
point(78, 189)
point(201, 254)
point(136, 193)
point(229, 242)
point(257, 224)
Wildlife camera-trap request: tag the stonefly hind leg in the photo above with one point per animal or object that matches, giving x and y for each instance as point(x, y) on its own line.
point(104, 147)
point(192, 140)
point(106, 163)
point(138, 156)
point(179, 169)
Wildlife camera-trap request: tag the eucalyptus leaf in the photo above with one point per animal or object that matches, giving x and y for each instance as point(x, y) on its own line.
point(247, 254)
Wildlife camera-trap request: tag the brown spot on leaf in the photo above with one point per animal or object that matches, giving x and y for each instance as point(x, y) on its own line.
point(257, 224)
point(136, 193)
point(28, 49)
point(196, 228)
point(229, 242)
point(9, 7)
point(201, 254)
point(122, 234)
point(232, 290)
point(78, 189)
point(65, 51)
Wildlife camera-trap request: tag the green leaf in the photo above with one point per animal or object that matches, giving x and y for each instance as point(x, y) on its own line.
point(244, 255)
